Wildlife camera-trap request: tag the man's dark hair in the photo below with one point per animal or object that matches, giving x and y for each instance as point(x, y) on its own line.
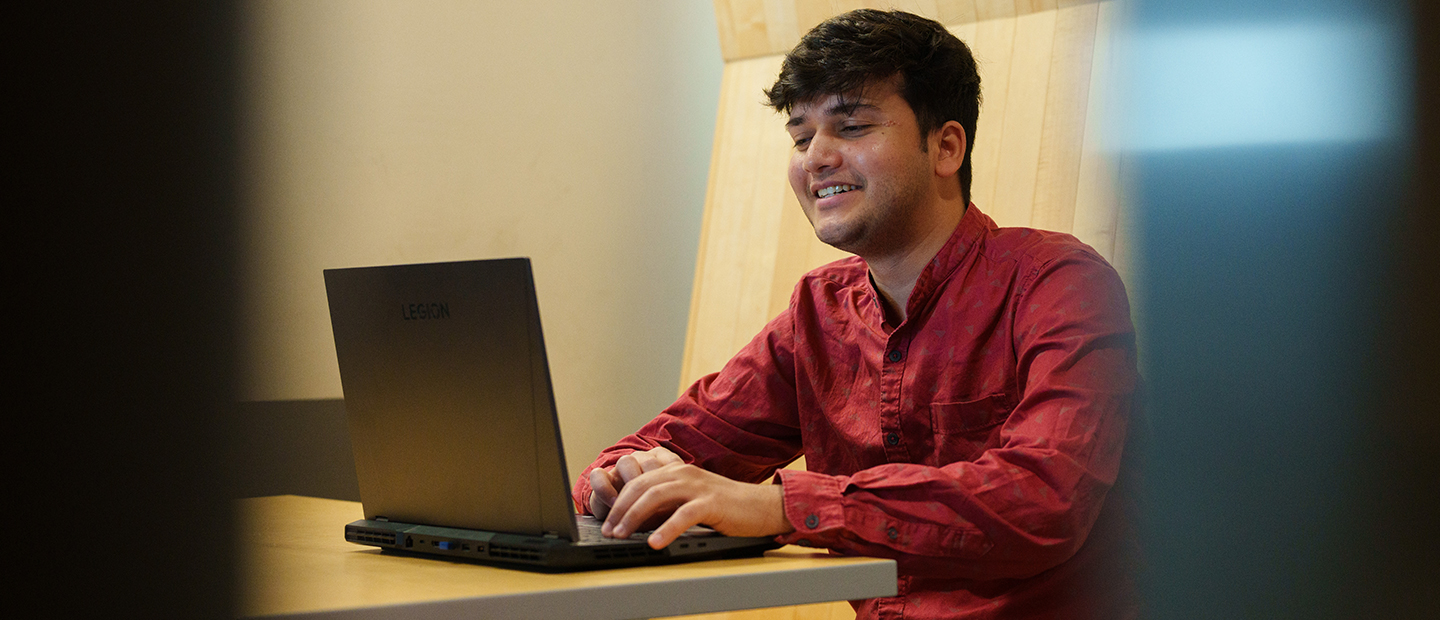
point(848, 52)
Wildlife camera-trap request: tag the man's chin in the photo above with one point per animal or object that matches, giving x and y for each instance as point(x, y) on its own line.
point(839, 237)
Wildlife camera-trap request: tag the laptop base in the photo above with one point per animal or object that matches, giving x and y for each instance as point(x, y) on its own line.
point(542, 552)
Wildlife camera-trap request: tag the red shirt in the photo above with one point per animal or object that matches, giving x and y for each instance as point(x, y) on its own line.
point(975, 442)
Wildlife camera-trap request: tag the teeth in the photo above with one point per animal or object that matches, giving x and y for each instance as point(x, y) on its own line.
point(834, 189)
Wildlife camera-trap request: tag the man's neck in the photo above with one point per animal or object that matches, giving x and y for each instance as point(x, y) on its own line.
point(896, 273)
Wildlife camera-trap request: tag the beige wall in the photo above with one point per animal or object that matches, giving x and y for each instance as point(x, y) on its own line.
point(574, 132)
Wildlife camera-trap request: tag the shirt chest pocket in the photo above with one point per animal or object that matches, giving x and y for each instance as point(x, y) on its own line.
point(965, 430)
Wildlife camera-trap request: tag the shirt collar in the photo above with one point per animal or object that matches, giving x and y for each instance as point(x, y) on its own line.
point(966, 237)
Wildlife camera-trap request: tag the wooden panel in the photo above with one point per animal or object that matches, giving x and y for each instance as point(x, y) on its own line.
point(742, 27)
point(1104, 196)
point(1063, 134)
point(799, 253)
point(1024, 120)
point(966, 32)
point(808, 13)
point(785, 26)
point(1033, 6)
point(751, 28)
point(1097, 207)
point(993, 44)
point(792, 258)
point(739, 236)
point(928, 8)
point(961, 12)
point(994, 9)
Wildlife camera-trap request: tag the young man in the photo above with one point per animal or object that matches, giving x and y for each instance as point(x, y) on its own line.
point(960, 391)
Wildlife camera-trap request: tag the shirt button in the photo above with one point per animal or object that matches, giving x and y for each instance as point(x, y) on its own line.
point(892, 439)
point(894, 355)
point(892, 533)
point(812, 522)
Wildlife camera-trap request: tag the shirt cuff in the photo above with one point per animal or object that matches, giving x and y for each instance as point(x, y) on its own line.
point(579, 492)
point(813, 504)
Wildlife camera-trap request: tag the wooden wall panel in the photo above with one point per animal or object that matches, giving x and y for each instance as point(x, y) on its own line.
point(1032, 6)
point(750, 28)
point(1062, 136)
point(1097, 206)
point(993, 43)
point(955, 13)
point(994, 9)
point(809, 13)
point(742, 28)
point(740, 232)
point(755, 242)
point(799, 252)
point(1024, 120)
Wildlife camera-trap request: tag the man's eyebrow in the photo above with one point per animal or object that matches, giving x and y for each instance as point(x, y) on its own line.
point(840, 108)
point(847, 108)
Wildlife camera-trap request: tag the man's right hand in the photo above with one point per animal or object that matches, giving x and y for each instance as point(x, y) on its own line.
point(605, 483)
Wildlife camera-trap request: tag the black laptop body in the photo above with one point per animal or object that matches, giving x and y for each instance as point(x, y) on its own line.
point(452, 418)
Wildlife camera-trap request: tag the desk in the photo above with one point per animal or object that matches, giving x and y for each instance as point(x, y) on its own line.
point(294, 561)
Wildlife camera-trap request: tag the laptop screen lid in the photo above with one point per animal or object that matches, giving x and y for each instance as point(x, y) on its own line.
point(448, 395)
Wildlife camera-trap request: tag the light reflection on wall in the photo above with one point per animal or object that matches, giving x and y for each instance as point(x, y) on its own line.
point(1232, 85)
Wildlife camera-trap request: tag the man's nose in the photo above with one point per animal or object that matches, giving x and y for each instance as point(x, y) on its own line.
point(821, 155)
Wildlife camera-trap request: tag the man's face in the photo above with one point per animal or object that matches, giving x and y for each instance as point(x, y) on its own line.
point(858, 168)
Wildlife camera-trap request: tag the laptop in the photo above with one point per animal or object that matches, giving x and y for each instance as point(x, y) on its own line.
point(452, 418)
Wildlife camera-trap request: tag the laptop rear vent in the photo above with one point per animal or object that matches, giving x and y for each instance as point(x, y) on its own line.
point(513, 553)
point(379, 538)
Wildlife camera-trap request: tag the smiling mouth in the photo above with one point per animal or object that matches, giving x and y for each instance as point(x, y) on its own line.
point(835, 189)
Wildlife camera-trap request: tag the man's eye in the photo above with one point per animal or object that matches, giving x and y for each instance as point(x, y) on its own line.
point(857, 128)
point(801, 143)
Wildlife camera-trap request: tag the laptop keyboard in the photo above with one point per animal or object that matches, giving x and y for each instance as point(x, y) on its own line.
point(590, 532)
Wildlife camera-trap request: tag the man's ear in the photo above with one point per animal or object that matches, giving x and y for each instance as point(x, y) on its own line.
point(949, 146)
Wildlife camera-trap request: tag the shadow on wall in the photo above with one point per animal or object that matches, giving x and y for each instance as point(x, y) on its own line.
point(292, 447)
